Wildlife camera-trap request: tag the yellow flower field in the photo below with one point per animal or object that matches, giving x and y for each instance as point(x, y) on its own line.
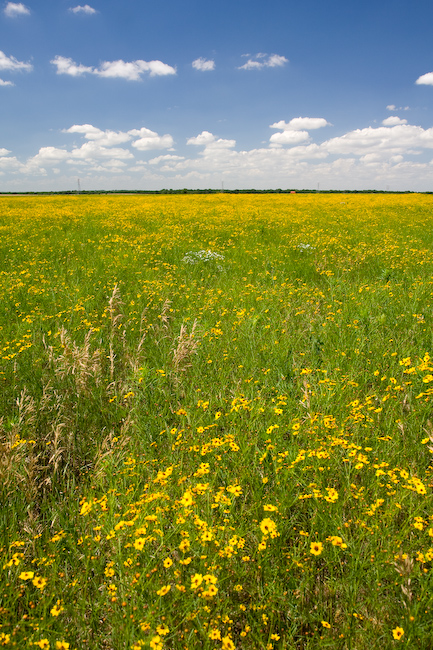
point(216, 421)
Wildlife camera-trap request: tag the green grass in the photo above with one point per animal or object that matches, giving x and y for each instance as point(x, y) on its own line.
point(228, 453)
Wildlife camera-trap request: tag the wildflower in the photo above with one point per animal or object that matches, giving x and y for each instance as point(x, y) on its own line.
point(397, 633)
point(236, 490)
point(268, 527)
point(39, 582)
point(326, 624)
point(261, 546)
point(196, 580)
point(56, 609)
point(214, 634)
point(270, 508)
point(155, 643)
point(210, 592)
point(26, 575)
point(162, 630)
point(139, 543)
point(167, 562)
point(164, 590)
point(86, 508)
point(316, 548)
point(43, 644)
point(62, 645)
point(227, 643)
point(187, 499)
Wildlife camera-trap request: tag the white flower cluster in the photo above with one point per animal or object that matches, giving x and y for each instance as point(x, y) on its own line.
point(306, 247)
point(194, 257)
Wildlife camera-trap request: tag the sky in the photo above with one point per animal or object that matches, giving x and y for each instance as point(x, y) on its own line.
point(145, 94)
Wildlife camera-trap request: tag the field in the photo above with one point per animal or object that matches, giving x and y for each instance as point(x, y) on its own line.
point(217, 425)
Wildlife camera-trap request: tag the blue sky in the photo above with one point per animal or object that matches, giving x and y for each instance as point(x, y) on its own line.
point(169, 94)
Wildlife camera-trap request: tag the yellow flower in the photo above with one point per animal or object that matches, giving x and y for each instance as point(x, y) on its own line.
point(268, 527)
point(397, 633)
point(227, 643)
point(187, 499)
point(62, 645)
point(56, 609)
point(26, 575)
point(39, 582)
point(316, 548)
point(210, 592)
point(168, 562)
point(196, 580)
point(139, 543)
point(43, 644)
point(214, 634)
point(162, 630)
point(156, 643)
point(326, 624)
point(164, 590)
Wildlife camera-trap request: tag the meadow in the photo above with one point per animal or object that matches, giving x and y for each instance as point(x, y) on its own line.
point(217, 426)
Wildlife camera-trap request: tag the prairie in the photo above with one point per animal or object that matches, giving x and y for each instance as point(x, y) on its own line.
point(216, 422)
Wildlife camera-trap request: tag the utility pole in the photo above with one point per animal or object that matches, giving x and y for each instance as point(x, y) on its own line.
point(79, 186)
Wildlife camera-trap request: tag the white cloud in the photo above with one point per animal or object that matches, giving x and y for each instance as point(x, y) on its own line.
point(104, 138)
point(393, 120)
point(203, 139)
point(261, 60)
point(370, 158)
point(402, 138)
point(425, 79)
point(120, 69)
point(83, 9)
point(210, 142)
point(68, 66)
point(165, 158)
point(149, 140)
point(6, 83)
point(11, 63)
point(14, 9)
point(393, 107)
point(289, 137)
point(301, 123)
point(94, 151)
point(203, 64)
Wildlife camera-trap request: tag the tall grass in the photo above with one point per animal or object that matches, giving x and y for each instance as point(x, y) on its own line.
point(216, 422)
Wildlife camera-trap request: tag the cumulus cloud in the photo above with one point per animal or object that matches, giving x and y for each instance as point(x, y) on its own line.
point(210, 141)
point(12, 64)
point(129, 70)
point(425, 79)
point(203, 64)
point(289, 137)
point(14, 9)
point(393, 120)
point(4, 152)
point(83, 9)
point(301, 123)
point(65, 65)
point(203, 139)
point(104, 138)
point(261, 60)
point(6, 83)
point(149, 140)
point(165, 158)
point(398, 139)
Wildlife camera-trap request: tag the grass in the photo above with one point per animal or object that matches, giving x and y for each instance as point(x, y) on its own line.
point(216, 422)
